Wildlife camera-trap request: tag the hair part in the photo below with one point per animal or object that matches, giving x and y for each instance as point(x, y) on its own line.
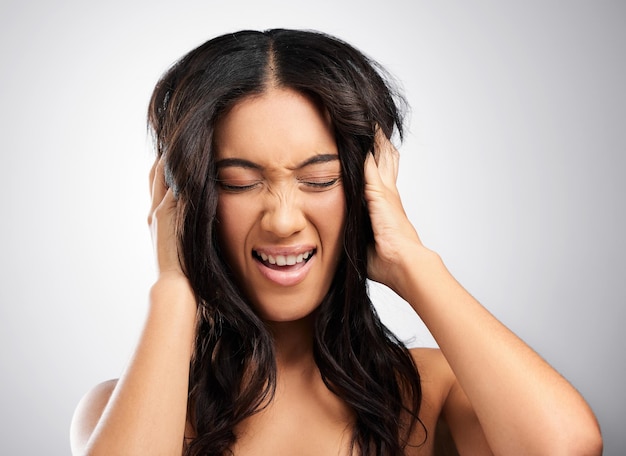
point(233, 368)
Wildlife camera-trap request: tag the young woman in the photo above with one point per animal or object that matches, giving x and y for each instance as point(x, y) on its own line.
point(273, 200)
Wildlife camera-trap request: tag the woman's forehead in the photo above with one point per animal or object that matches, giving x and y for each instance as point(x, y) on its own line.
point(279, 126)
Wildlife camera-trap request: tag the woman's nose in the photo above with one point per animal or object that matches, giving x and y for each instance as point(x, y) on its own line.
point(283, 216)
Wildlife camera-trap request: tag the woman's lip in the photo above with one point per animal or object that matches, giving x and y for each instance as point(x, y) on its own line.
point(286, 276)
point(285, 251)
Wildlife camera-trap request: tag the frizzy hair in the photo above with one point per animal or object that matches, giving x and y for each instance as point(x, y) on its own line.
point(233, 370)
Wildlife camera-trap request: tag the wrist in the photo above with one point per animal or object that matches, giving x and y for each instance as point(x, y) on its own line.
point(173, 289)
point(173, 310)
point(416, 265)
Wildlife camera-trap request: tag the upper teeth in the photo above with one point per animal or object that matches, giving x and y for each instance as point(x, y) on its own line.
point(285, 260)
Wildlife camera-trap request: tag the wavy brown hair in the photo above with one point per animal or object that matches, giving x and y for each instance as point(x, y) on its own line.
point(233, 370)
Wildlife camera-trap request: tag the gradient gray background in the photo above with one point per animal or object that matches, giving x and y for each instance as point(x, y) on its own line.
point(513, 170)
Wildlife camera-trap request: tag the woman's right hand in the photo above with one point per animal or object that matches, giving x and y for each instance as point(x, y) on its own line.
point(126, 417)
point(162, 222)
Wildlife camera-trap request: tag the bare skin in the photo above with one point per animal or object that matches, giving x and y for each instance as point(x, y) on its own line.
point(496, 395)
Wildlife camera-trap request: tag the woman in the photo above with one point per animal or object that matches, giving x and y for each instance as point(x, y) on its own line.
point(273, 200)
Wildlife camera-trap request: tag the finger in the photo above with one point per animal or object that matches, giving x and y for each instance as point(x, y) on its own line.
point(372, 173)
point(163, 230)
point(158, 188)
point(168, 202)
point(152, 174)
point(387, 158)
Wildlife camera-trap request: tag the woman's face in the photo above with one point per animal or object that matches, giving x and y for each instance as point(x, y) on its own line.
point(281, 207)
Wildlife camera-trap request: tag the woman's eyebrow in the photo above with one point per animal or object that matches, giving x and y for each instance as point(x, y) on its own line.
point(316, 159)
point(238, 162)
point(243, 163)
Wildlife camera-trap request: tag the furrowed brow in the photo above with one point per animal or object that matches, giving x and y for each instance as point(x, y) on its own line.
point(239, 163)
point(316, 159)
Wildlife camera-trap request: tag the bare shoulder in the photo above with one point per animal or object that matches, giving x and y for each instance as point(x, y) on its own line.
point(88, 412)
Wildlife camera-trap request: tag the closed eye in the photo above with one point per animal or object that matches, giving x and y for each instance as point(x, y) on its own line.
point(320, 184)
point(232, 187)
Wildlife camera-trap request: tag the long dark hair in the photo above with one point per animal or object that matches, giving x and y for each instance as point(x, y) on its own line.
point(233, 370)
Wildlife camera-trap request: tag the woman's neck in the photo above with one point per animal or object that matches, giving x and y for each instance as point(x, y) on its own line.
point(293, 342)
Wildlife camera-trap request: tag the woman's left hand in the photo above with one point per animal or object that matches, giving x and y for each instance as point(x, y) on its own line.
point(482, 353)
point(394, 234)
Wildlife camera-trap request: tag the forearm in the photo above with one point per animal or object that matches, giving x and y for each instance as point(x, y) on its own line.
point(146, 413)
point(524, 406)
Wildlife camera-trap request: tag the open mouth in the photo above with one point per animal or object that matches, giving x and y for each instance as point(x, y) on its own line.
point(282, 262)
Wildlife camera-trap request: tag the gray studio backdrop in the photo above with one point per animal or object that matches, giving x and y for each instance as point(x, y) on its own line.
point(513, 170)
